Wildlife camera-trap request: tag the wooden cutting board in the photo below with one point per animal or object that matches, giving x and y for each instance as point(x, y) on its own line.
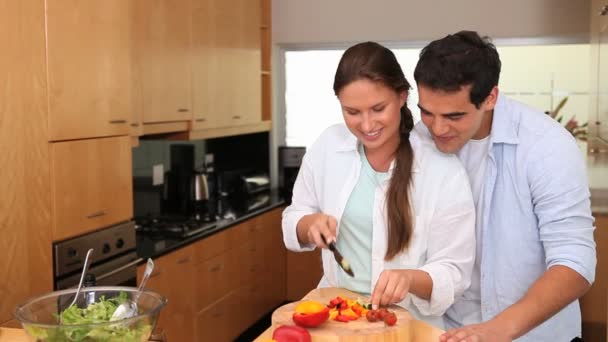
point(407, 328)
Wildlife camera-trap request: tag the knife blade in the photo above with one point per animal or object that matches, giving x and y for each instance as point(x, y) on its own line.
point(339, 258)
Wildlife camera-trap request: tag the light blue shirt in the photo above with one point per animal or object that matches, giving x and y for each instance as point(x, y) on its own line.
point(355, 242)
point(536, 214)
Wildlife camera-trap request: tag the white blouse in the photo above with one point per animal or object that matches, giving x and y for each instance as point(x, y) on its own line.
point(443, 240)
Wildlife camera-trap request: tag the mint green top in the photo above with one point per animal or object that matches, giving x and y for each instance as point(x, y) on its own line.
point(355, 231)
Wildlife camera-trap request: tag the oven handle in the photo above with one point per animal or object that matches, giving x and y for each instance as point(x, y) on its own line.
point(120, 269)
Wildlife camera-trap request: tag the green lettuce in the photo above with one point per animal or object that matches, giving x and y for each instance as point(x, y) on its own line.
point(98, 312)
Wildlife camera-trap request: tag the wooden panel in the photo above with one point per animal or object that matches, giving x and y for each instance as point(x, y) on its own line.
point(163, 43)
point(225, 320)
point(89, 68)
point(264, 126)
point(25, 243)
point(222, 241)
point(228, 39)
point(594, 304)
point(222, 274)
point(204, 61)
point(173, 278)
point(91, 184)
point(304, 271)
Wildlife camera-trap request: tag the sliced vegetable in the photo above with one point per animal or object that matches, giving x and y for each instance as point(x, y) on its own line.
point(310, 314)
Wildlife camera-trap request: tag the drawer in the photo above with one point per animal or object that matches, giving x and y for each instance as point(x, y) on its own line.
point(222, 241)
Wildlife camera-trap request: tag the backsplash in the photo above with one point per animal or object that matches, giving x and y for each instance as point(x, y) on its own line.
point(154, 152)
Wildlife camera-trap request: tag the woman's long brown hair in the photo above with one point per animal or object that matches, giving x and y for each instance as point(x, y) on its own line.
point(376, 63)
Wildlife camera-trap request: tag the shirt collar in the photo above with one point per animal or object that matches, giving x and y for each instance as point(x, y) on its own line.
point(350, 144)
point(505, 122)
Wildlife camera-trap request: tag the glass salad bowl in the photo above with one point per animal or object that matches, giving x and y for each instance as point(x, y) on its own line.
point(88, 320)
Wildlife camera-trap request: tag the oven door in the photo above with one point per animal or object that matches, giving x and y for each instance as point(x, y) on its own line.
point(119, 271)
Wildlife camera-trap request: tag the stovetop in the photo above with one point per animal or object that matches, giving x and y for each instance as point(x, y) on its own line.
point(172, 226)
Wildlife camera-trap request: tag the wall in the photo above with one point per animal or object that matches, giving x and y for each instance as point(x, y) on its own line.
point(345, 21)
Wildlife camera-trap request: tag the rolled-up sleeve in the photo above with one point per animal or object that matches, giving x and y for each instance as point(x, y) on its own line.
point(451, 246)
point(561, 200)
point(303, 203)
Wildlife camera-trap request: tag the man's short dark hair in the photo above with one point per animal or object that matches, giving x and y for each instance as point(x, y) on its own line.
point(457, 60)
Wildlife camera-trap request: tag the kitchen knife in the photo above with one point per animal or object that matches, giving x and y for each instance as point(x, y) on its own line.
point(339, 258)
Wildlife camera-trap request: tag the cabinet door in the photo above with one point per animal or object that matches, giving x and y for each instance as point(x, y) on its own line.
point(226, 319)
point(163, 43)
point(172, 278)
point(89, 68)
point(25, 218)
point(227, 63)
point(91, 184)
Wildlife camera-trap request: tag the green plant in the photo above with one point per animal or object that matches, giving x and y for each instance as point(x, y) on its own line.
point(572, 125)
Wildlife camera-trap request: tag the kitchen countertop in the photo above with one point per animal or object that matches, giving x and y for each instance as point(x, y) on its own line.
point(13, 335)
point(154, 247)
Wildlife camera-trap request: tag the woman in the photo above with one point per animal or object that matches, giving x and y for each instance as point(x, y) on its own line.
point(399, 211)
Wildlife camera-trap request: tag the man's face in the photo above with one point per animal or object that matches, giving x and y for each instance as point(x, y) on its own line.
point(452, 119)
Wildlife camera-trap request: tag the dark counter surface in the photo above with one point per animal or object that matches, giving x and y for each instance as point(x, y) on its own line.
point(155, 246)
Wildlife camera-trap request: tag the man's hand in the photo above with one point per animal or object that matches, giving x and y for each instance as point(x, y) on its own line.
point(485, 332)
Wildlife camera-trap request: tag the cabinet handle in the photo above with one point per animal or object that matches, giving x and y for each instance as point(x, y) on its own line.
point(183, 110)
point(119, 121)
point(236, 117)
point(201, 120)
point(183, 260)
point(156, 274)
point(215, 268)
point(604, 10)
point(96, 214)
point(135, 124)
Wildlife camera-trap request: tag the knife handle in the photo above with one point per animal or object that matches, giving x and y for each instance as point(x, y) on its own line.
point(331, 246)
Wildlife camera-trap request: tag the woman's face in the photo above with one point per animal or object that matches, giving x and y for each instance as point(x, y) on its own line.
point(372, 112)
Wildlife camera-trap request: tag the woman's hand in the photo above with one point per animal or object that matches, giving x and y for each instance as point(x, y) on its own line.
point(392, 287)
point(312, 228)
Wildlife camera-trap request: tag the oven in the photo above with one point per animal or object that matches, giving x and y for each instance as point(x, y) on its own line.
point(113, 261)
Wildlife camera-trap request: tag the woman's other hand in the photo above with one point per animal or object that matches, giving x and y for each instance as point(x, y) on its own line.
point(312, 228)
point(392, 287)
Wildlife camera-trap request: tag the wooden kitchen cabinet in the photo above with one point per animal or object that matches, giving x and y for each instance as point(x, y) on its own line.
point(173, 278)
point(89, 68)
point(246, 281)
point(162, 43)
point(226, 63)
point(25, 217)
point(304, 271)
point(91, 184)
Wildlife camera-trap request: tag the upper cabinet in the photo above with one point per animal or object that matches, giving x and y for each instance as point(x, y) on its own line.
point(89, 68)
point(91, 184)
point(226, 67)
point(162, 42)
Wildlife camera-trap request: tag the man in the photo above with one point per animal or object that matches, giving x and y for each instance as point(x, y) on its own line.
point(535, 247)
